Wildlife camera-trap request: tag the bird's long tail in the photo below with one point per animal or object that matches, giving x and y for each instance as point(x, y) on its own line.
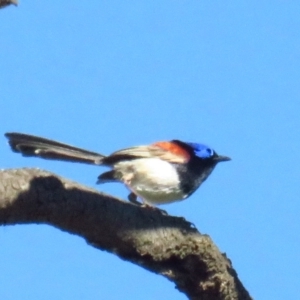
point(29, 145)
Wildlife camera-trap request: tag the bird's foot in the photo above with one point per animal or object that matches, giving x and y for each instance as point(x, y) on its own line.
point(133, 199)
point(154, 208)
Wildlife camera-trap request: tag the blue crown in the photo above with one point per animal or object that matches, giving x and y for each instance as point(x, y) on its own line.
point(201, 150)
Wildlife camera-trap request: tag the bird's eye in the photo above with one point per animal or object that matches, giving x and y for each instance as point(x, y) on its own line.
point(205, 153)
point(201, 150)
point(209, 151)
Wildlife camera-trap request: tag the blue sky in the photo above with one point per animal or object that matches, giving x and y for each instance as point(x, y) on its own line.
point(104, 75)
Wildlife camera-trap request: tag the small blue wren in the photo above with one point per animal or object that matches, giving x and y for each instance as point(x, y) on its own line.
point(159, 173)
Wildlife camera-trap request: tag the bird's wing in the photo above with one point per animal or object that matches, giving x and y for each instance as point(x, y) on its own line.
point(167, 151)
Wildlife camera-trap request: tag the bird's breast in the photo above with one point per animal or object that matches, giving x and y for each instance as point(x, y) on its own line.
point(153, 179)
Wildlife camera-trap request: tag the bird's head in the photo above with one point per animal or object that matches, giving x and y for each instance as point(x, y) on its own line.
point(202, 151)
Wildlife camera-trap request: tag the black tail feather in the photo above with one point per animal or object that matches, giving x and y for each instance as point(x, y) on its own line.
point(29, 145)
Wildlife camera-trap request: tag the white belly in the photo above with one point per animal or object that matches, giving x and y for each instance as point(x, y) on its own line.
point(154, 180)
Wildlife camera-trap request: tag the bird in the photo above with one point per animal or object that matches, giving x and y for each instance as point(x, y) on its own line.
point(159, 173)
point(4, 3)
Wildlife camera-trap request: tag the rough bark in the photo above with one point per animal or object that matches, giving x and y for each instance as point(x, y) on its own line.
point(166, 245)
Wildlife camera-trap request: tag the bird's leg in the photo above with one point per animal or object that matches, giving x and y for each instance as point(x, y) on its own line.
point(132, 197)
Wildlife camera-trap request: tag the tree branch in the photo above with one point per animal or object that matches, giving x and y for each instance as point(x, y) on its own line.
point(166, 245)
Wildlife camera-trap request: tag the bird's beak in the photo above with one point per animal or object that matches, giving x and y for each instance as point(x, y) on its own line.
point(220, 158)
